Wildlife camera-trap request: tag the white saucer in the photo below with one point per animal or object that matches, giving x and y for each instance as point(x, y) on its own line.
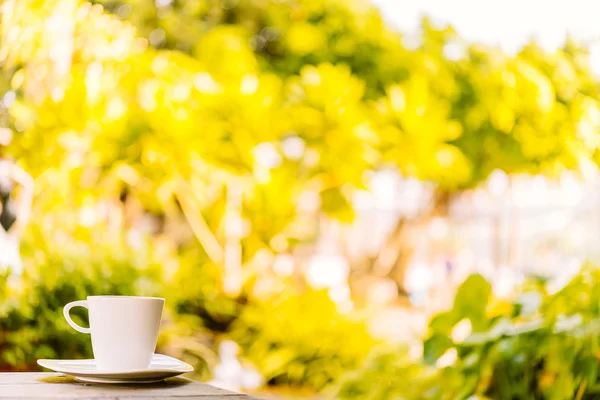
point(160, 368)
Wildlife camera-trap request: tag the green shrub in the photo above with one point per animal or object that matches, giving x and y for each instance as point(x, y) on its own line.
point(301, 339)
point(296, 338)
point(542, 344)
point(390, 373)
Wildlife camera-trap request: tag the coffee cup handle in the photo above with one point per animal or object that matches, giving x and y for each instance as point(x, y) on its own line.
point(67, 309)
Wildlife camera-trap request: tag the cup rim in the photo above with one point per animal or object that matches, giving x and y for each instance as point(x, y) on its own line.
point(125, 297)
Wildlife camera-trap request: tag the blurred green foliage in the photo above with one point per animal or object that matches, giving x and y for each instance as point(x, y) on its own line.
point(446, 111)
point(163, 111)
point(541, 344)
point(283, 345)
point(391, 373)
point(479, 108)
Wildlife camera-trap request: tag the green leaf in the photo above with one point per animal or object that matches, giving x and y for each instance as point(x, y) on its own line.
point(435, 347)
point(472, 299)
point(443, 323)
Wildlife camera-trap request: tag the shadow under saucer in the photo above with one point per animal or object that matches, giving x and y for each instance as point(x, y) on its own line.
point(168, 382)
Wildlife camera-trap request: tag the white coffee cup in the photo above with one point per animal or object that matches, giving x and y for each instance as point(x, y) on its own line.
point(124, 329)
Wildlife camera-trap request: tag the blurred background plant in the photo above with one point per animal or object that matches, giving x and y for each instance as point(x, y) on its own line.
point(542, 343)
point(221, 154)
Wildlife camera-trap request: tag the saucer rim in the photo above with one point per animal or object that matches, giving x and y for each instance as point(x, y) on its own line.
point(51, 364)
